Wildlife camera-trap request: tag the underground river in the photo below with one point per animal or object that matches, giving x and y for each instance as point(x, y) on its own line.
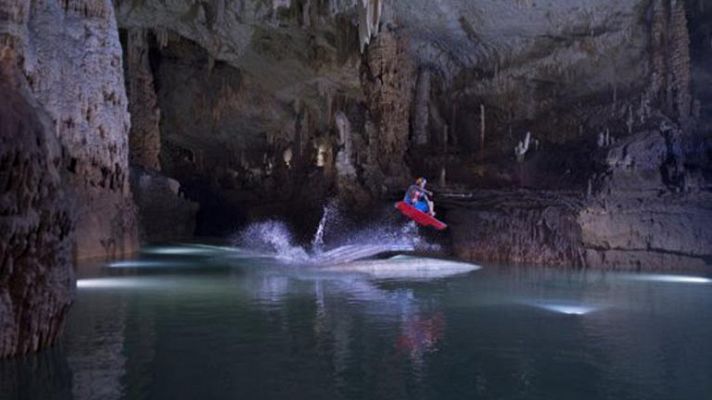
point(205, 321)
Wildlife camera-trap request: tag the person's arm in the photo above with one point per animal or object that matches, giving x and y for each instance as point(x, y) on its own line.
point(408, 198)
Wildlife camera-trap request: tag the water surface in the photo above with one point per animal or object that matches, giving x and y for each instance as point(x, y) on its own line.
point(201, 322)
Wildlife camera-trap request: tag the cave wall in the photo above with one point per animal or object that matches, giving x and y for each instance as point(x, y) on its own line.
point(566, 71)
point(250, 102)
point(272, 106)
point(36, 221)
point(700, 23)
point(64, 154)
point(649, 208)
point(69, 53)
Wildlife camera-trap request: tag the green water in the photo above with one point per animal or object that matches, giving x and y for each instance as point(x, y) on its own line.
point(215, 326)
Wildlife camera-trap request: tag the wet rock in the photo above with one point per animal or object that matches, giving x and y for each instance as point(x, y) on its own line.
point(36, 223)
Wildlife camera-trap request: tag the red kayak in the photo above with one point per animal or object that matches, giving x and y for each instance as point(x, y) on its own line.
point(420, 217)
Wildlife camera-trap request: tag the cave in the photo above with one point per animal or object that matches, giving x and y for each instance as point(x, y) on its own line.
point(355, 199)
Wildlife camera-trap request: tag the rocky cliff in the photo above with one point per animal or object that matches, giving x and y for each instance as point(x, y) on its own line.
point(70, 55)
point(64, 175)
point(36, 222)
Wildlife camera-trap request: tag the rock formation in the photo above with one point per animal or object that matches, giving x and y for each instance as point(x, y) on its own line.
point(36, 222)
point(421, 107)
point(164, 214)
point(64, 160)
point(648, 211)
point(387, 78)
point(69, 53)
point(145, 135)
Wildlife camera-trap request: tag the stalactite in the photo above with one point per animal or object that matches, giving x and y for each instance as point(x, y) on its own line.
point(219, 6)
point(321, 155)
point(680, 60)
point(522, 148)
point(422, 100)
point(344, 165)
point(604, 139)
point(482, 131)
point(445, 135)
point(161, 35)
point(277, 4)
point(630, 122)
point(287, 157)
point(144, 136)
point(453, 131)
point(387, 78)
point(369, 18)
point(87, 8)
point(306, 16)
point(670, 59)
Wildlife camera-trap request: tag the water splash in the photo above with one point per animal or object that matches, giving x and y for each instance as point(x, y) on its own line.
point(272, 237)
point(336, 239)
point(328, 216)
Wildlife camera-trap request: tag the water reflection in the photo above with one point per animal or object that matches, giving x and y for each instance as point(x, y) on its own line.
point(669, 278)
point(420, 334)
point(95, 348)
point(568, 309)
point(45, 375)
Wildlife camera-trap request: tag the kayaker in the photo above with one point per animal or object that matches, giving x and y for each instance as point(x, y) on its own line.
point(417, 196)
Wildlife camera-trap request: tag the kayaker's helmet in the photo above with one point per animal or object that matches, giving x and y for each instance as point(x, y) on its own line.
point(421, 181)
